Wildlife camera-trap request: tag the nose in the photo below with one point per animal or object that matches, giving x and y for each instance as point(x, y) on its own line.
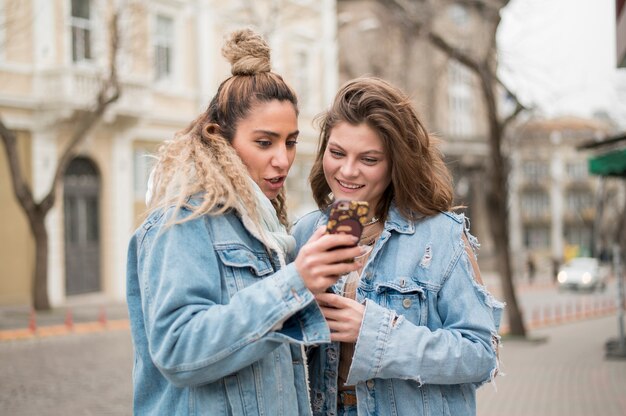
point(349, 169)
point(280, 160)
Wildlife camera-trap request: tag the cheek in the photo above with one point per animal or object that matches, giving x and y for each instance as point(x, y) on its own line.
point(291, 156)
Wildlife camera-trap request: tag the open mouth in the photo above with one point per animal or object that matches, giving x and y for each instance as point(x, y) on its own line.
point(276, 182)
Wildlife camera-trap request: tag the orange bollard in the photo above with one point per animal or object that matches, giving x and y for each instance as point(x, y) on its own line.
point(102, 316)
point(557, 313)
point(32, 321)
point(536, 319)
point(69, 320)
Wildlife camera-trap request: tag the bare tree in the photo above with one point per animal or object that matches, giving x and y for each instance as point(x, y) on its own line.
point(417, 19)
point(36, 211)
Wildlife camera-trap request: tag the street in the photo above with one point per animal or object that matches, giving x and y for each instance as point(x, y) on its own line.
point(560, 370)
point(76, 374)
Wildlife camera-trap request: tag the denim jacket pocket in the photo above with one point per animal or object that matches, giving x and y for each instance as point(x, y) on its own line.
point(242, 266)
point(405, 297)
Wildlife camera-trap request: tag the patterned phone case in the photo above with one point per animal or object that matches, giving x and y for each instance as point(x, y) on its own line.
point(347, 217)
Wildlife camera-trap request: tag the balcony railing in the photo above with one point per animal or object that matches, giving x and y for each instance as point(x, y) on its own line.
point(77, 89)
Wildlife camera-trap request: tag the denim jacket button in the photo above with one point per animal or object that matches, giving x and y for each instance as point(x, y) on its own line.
point(406, 303)
point(402, 283)
point(370, 384)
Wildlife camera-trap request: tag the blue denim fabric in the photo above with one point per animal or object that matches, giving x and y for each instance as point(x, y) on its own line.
point(429, 335)
point(217, 329)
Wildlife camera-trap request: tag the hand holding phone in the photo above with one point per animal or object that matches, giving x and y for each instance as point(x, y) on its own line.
point(347, 217)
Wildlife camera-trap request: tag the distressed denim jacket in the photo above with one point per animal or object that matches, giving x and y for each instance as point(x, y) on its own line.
point(429, 335)
point(216, 328)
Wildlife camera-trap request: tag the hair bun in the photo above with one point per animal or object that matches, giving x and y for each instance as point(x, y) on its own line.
point(247, 52)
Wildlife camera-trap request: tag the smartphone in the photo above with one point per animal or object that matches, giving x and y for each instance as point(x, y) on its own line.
point(347, 217)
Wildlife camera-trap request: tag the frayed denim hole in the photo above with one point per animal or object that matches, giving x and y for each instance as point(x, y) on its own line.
point(427, 257)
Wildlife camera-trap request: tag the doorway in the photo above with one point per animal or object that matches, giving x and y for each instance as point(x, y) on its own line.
point(81, 200)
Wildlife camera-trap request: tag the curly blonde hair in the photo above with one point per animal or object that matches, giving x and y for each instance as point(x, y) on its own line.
point(200, 161)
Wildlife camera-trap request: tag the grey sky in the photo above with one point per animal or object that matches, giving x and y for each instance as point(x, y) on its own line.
point(560, 54)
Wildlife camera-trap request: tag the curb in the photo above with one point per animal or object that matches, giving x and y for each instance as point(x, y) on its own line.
point(67, 329)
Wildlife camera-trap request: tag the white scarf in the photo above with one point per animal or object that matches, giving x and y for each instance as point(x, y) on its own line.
point(268, 228)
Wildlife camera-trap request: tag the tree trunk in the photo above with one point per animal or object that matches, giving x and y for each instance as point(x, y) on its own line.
point(498, 199)
point(40, 282)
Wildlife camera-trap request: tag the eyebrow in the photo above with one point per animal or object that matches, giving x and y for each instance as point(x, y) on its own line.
point(378, 152)
point(276, 135)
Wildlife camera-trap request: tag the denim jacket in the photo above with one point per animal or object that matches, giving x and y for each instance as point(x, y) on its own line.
point(429, 335)
point(217, 328)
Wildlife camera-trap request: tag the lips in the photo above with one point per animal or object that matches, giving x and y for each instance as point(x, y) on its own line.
point(275, 182)
point(349, 186)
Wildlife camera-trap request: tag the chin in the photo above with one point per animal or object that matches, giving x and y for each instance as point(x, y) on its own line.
point(271, 195)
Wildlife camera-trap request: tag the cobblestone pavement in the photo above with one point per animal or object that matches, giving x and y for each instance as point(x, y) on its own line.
point(565, 374)
point(75, 374)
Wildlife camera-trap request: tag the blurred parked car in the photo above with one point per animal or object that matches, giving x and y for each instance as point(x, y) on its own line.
point(583, 273)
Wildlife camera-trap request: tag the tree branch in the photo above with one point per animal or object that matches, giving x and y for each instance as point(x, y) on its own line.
point(455, 53)
point(109, 92)
point(21, 189)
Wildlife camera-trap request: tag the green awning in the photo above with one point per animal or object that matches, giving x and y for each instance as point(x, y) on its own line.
point(609, 164)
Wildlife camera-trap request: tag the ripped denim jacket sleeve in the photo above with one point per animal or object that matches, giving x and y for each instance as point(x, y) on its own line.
point(462, 349)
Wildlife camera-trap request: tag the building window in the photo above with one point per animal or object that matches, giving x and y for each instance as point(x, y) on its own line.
point(460, 97)
point(534, 171)
point(579, 200)
point(577, 170)
point(535, 204)
point(163, 47)
point(81, 30)
point(536, 237)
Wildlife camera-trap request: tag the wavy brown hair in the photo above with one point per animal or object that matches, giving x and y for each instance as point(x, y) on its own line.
point(200, 160)
point(420, 181)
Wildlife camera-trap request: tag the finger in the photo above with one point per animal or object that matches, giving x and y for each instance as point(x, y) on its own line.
point(335, 301)
point(332, 314)
point(342, 254)
point(329, 241)
point(334, 271)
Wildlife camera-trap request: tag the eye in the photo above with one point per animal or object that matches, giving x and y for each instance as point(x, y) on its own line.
point(369, 160)
point(292, 143)
point(336, 153)
point(264, 143)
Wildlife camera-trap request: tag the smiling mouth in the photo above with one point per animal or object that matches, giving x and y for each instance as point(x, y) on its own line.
point(349, 185)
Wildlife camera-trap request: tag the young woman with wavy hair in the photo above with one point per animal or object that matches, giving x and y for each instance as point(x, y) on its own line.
point(414, 329)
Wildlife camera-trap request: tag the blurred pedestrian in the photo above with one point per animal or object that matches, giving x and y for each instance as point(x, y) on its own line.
point(218, 315)
point(414, 329)
point(532, 268)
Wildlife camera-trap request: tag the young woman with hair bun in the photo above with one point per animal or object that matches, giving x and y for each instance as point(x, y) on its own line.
point(219, 311)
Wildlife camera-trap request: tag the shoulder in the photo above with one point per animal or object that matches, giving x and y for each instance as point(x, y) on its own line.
point(443, 223)
point(443, 232)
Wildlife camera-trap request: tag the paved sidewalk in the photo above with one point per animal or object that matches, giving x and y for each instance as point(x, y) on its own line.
point(563, 374)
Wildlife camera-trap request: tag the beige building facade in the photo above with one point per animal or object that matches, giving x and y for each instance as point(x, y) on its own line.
point(53, 54)
point(554, 200)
